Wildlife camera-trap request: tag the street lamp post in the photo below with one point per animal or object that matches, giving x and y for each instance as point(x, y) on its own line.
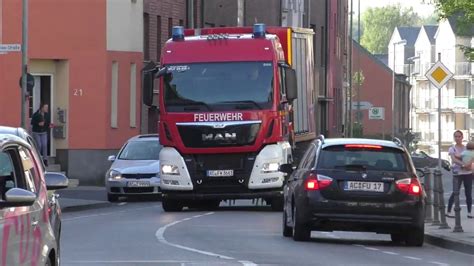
point(402, 42)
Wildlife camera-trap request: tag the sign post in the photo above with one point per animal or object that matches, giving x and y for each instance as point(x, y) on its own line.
point(378, 113)
point(439, 75)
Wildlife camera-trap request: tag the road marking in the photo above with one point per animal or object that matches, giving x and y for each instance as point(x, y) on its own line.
point(121, 203)
point(358, 245)
point(439, 263)
point(126, 262)
point(369, 248)
point(390, 253)
point(161, 232)
point(412, 258)
point(247, 263)
point(104, 214)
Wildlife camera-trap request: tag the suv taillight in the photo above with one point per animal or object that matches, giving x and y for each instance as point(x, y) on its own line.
point(317, 182)
point(409, 186)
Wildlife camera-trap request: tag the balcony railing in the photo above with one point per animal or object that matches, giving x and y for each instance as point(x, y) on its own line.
point(463, 69)
point(419, 69)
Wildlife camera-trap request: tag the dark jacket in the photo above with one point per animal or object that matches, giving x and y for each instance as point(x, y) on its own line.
point(36, 119)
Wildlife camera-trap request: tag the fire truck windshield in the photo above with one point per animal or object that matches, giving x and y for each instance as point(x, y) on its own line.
point(218, 86)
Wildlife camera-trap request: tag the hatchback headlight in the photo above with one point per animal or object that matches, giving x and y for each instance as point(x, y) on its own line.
point(114, 174)
point(270, 167)
point(169, 169)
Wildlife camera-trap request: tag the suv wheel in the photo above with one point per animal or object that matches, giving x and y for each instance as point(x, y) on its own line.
point(112, 197)
point(171, 205)
point(416, 237)
point(277, 204)
point(287, 230)
point(301, 231)
point(397, 237)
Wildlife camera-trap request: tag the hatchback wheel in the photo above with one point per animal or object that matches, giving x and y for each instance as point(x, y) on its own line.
point(112, 197)
point(171, 205)
point(416, 237)
point(287, 230)
point(301, 231)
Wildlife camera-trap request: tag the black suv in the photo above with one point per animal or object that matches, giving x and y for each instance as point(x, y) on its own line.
point(354, 185)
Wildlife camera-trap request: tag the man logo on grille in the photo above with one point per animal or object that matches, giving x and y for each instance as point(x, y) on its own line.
point(219, 136)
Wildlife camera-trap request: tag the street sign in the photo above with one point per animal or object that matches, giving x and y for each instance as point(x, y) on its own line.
point(377, 113)
point(30, 82)
point(439, 75)
point(361, 105)
point(15, 47)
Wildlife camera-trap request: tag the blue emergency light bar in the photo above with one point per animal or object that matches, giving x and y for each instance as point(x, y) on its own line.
point(259, 30)
point(178, 33)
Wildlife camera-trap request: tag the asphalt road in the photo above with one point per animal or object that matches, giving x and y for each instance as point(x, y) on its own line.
point(140, 233)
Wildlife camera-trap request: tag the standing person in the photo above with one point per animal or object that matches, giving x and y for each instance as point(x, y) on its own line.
point(40, 126)
point(461, 171)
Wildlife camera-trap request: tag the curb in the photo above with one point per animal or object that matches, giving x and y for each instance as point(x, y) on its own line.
point(449, 244)
point(86, 207)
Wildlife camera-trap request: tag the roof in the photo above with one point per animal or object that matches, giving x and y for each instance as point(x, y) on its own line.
point(6, 139)
point(382, 58)
point(372, 56)
point(431, 31)
point(467, 30)
point(409, 34)
point(17, 131)
point(342, 141)
point(145, 137)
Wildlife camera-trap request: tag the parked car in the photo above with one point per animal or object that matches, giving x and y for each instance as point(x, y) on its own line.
point(54, 208)
point(354, 185)
point(421, 159)
point(24, 202)
point(135, 170)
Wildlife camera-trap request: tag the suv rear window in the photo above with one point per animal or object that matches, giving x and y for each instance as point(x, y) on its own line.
point(372, 157)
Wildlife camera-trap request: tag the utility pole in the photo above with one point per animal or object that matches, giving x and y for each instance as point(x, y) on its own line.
point(349, 124)
point(358, 116)
point(24, 60)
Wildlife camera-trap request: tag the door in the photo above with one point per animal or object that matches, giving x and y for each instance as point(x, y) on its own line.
point(42, 92)
point(19, 231)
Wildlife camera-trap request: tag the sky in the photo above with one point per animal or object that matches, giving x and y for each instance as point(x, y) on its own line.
point(423, 9)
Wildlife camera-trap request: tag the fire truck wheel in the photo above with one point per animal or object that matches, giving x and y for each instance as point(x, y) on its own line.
point(171, 205)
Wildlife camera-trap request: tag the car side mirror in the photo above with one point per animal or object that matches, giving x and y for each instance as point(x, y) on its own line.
point(56, 180)
point(290, 84)
point(111, 158)
point(287, 168)
point(20, 197)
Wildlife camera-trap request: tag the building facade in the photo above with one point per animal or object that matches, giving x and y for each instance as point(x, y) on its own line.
point(86, 58)
point(457, 104)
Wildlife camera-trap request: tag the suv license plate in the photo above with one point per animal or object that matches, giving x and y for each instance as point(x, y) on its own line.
point(220, 172)
point(138, 184)
point(363, 186)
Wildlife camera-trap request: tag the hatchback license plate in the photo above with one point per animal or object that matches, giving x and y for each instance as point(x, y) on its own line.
point(220, 172)
point(363, 186)
point(138, 184)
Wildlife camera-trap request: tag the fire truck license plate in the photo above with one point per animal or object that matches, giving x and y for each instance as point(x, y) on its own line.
point(220, 172)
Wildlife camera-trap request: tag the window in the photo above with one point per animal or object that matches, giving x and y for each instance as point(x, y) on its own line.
point(170, 27)
point(114, 95)
point(158, 38)
point(29, 169)
point(308, 157)
point(146, 36)
point(133, 95)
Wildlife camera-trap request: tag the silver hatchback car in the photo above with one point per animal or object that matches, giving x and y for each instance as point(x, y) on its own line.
point(135, 170)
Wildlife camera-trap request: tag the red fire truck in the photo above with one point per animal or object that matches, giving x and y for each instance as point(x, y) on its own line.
point(229, 116)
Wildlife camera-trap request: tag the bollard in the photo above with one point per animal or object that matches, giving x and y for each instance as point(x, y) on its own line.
point(457, 207)
point(435, 202)
point(442, 207)
point(428, 190)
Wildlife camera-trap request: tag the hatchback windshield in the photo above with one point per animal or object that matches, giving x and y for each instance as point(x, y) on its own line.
point(218, 86)
point(378, 158)
point(141, 150)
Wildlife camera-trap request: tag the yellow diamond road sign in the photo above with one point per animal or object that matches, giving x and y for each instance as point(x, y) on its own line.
point(439, 74)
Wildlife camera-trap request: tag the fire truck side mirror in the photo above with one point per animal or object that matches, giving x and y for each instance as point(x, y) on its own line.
point(148, 83)
point(290, 84)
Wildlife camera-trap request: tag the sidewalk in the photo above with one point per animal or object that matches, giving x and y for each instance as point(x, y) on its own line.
point(446, 238)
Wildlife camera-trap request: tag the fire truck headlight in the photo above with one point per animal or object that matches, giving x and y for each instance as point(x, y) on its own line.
point(169, 169)
point(270, 167)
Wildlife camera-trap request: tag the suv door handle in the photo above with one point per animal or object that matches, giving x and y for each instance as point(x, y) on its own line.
point(34, 224)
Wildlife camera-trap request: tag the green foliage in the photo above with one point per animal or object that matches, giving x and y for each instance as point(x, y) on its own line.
point(358, 130)
point(464, 12)
point(380, 22)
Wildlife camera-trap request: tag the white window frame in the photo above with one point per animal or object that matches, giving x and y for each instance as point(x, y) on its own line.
point(133, 95)
point(114, 95)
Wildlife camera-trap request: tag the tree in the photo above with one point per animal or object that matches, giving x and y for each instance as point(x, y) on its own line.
point(380, 22)
point(463, 10)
